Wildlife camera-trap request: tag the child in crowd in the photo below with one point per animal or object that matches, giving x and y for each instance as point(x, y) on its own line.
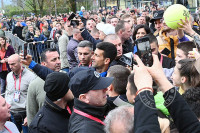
point(40, 39)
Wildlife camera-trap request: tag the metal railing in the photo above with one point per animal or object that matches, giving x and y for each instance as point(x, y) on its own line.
point(32, 48)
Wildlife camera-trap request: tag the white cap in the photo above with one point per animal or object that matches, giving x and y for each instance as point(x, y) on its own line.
point(107, 29)
point(82, 8)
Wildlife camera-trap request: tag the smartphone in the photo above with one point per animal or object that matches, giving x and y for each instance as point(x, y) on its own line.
point(74, 23)
point(166, 51)
point(25, 50)
point(71, 16)
point(128, 61)
point(144, 51)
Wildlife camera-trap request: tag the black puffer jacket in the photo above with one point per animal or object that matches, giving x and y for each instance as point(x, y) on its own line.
point(81, 124)
point(50, 119)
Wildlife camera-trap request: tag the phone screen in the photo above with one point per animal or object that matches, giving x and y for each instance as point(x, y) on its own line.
point(144, 51)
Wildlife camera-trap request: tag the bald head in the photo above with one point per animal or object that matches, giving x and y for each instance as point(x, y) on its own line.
point(14, 62)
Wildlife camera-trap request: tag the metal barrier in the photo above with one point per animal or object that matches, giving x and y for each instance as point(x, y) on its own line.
point(15, 41)
point(32, 48)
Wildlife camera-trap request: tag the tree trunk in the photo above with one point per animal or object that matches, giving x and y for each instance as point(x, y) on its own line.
point(72, 5)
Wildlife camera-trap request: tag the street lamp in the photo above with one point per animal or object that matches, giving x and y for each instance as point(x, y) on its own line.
point(55, 8)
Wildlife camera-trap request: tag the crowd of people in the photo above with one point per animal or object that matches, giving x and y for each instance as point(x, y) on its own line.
point(83, 83)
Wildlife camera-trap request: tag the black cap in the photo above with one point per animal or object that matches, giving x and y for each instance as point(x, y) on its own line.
point(157, 15)
point(87, 80)
point(56, 85)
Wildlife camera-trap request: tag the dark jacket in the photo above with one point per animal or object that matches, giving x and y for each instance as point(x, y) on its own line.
point(81, 124)
point(117, 62)
point(50, 119)
point(167, 62)
point(29, 36)
point(40, 38)
point(18, 30)
point(41, 71)
point(84, 20)
point(86, 36)
point(145, 118)
point(183, 117)
point(127, 46)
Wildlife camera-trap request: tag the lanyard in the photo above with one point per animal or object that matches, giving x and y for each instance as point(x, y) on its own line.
point(8, 129)
point(20, 78)
point(88, 116)
point(161, 59)
point(68, 109)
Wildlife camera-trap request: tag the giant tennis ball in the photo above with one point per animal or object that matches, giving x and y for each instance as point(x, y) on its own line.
point(174, 13)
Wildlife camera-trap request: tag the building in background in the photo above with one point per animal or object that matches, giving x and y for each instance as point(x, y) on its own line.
point(93, 5)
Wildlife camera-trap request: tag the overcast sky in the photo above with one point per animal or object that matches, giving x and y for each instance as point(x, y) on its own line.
point(6, 2)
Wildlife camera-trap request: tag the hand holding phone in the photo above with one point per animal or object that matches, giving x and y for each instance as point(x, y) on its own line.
point(144, 51)
point(25, 50)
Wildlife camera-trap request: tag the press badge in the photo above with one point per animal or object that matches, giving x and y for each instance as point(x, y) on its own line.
point(16, 96)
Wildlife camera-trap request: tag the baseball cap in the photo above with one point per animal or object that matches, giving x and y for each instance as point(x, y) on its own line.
point(87, 80)
point(157, 15)
point(107, 29)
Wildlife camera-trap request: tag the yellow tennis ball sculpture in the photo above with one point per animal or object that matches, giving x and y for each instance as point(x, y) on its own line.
point(174, 13)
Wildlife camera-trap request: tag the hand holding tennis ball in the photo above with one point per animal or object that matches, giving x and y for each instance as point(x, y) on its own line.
point(174, 14)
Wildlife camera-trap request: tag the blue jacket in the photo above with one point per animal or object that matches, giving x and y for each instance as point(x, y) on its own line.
point(40, 38)
point(81, 14)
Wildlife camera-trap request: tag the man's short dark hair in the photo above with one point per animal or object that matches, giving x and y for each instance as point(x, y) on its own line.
point(109, 49)
point(133, 88)
point(43, 55)
point(186, 47)
point(120, 74)
point(132, 11)
point(86, 43)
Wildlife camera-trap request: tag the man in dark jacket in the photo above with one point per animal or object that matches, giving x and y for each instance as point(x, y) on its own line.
point(54, 115)
point(123, 30)
point(72, 54)
point(18, 30)
point(90, 107)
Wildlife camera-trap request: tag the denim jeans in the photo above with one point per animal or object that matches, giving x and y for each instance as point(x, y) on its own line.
point(18, 120)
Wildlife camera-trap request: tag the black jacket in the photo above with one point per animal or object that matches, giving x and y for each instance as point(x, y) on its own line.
point(86, 36)
point(18, 30)
point(167, 62)
point(117, 62)
point(50, 119)
point(84, 20)
point(145, 118)
point(183, 117)
point(29, 36)
point(127, 46)
point(81, 124)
